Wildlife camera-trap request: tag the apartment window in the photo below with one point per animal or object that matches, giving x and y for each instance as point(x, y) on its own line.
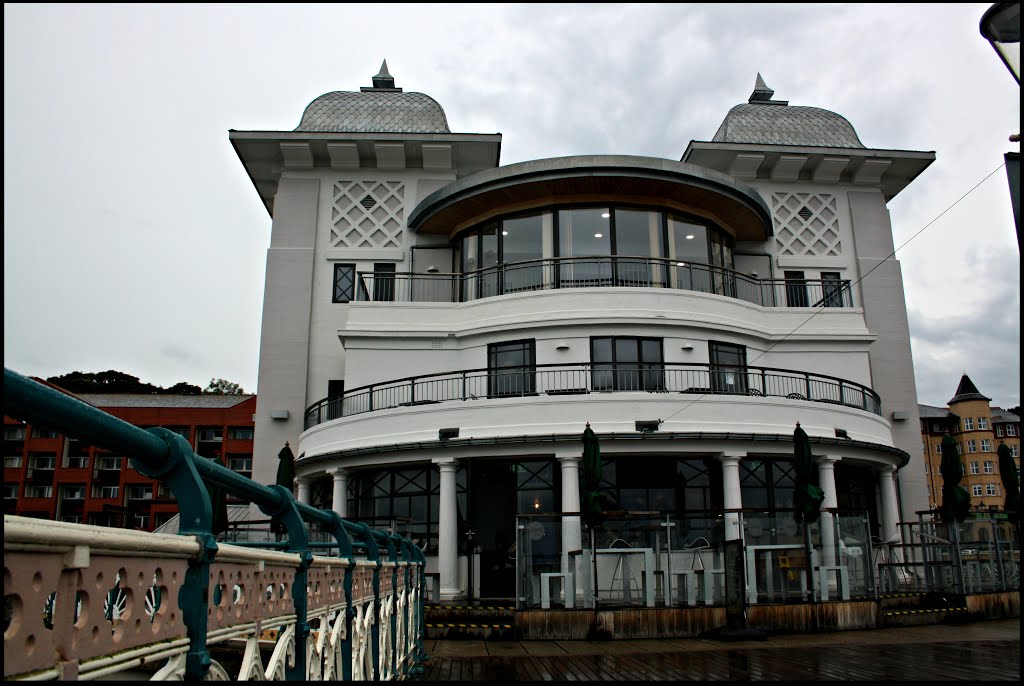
point(106, 491)
point(139, 492)
point(71, 518)
point(968, 424)
point(1014, 451)
point(999, 430)
point(972, 446)
point(1011, 430)
point(626, 364)
point(831, 289)
point(14, 433)
point(38, 491)
point(989, 469)
point(384, 281)
point(728, 368)
point(44, 461)
point(182, 431)
point(938, 448)
point(990, 489)
point(240, 433)
point(140, 521)
point(982, 423)
point(78, 462)
point(511, 368)
point(240, 464)
point(986, 445)
point(12, 461)
point(43, 432)
point(976, 489)
point(10, 492)
point(344, 282)
point(106, 462)
point(936, 428)
point(210, 433)
point(73, 492)
point(796, 289)
point(974, 468)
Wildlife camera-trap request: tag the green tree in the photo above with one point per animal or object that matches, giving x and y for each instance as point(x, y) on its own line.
point(223, 387)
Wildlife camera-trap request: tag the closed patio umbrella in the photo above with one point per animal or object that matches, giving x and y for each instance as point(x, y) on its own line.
point(956, 503)
point(1008, 475)
point(218, 503)
point(807, 496)
point(285, 477)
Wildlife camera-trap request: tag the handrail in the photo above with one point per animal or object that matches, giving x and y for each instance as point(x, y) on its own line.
point(587, 377)
point(601, 270)
point(166, 456)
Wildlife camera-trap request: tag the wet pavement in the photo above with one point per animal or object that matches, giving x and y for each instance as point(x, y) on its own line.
point(978, 651)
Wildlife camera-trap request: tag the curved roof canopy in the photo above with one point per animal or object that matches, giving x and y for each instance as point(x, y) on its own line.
point(595, 179)
point(381, 108)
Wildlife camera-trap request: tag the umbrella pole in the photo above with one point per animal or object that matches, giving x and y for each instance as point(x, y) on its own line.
point(593, 565)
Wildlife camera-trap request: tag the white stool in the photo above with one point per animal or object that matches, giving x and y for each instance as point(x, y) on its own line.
point(545, 588)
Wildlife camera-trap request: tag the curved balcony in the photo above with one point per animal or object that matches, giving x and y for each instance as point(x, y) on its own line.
point(585, 378)
point(588, 272)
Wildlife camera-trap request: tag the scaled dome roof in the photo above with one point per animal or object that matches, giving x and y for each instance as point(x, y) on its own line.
point(381, 108)
point(764, 121)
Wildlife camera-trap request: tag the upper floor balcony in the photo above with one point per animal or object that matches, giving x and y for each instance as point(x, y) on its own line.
point(585, 378)
point(601, 271)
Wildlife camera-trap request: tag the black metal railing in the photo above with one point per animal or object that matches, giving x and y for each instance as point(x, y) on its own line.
point(585, 272)
point(585, 377)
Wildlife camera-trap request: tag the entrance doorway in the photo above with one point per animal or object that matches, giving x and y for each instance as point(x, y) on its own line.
point(492, 513)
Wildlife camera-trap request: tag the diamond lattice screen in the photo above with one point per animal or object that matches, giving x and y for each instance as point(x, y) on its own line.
point(806, 224)
point(367, 214)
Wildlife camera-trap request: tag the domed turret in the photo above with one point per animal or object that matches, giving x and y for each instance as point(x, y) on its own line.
point(381, 108)
point(764, 121)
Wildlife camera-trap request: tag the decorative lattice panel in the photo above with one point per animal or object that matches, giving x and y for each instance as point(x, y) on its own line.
point(806, 224)
point(367, 214)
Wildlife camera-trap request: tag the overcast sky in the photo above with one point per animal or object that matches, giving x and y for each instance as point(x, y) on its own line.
point(134, 240)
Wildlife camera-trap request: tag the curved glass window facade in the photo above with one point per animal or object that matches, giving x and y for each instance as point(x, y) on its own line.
point(593, 245)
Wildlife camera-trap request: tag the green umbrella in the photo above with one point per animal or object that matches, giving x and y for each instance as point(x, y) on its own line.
point(1008, 475)
point(285, 477)
point(955, 501)
point(593, 513)
point(807, 496)
point(218, 503)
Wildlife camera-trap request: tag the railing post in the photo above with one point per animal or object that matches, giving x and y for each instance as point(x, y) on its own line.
point(412, 390)
point(370, 398)
point(463, 385)
point(196, 519)
point(807, 385)
point(288, 514)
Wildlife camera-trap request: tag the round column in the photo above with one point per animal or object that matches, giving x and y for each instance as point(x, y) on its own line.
point(304, 483)
point(340, 499)
point(890, 512)
point(572, 537)
point(731, 491)
point(447, 533)
point(827, 481)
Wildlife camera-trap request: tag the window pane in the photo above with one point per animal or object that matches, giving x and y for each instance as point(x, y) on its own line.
point(522, 241)
point(489, 260)
point(637, 234)
point(796, 289)
point(689, 246)
point(344, 282)
point(584, 234)
point(384, 281)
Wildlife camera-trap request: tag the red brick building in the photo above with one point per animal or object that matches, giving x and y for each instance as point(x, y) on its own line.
point(52, 476)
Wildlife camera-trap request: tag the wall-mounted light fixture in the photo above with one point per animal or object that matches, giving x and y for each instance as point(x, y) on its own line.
point(841, 433)
point(900, 415)
point(279, 414)
point(432, 269)
point(445, 434)
point(647, 426)
point(687, 345)
point(561, 345)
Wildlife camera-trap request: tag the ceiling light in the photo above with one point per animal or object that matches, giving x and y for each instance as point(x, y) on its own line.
point(504, 233)
point(598, 235)
point(689, 236)
point(605, 215)
point(680, 264)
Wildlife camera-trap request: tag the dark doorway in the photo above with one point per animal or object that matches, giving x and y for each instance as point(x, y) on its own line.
point(492, 511)
point(855, 491)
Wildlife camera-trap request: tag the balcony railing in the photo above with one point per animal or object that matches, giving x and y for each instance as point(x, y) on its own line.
point(583, 378)
point(584, 272)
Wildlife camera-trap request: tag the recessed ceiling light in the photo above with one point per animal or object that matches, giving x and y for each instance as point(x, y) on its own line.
point(680, 264)
point(504, 233)
point(689, 236)
point(598, 235)
point(605, 215)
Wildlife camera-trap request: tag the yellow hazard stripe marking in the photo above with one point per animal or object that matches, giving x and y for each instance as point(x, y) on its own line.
point(470, 626)
point(916, 612)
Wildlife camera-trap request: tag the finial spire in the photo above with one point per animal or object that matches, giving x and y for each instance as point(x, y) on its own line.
point(382, 81)
point(762, 94)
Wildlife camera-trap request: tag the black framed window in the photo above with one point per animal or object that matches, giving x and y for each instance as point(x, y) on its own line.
point(796, 289)
point(728, 368)
point(626, 363)
point(767, 485)
point(384, 281)
point(511, 368)
point(344, 282)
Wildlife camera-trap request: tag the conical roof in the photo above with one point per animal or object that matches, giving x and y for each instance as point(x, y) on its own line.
point(967, 391)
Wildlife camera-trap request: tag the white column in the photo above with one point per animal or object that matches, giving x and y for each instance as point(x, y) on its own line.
point(340, 501)
point(303, 494)
point(890, 512)
point(827, 480)
point(572, 538)
point(447, 532)
point(733, 500)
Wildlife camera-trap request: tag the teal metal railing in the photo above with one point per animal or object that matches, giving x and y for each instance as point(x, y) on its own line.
point(163, 455)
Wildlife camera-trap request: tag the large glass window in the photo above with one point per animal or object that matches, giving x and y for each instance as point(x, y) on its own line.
point(522, 240)
point(728, 368)
point(637, 235)
point(585, 233)
point(767, 485)
point(511, 368)
point(626, 364)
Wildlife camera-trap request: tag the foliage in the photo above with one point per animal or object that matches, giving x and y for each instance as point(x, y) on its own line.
point(1008, 475)
point(223, 387)
point(956, 503)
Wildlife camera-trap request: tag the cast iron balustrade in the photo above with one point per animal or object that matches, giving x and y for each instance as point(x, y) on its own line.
point(89, 602)
point(584, 272)
point(583, 378)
